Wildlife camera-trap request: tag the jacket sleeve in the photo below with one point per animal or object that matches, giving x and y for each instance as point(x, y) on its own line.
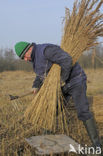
point(37, 82)
point(56, 55)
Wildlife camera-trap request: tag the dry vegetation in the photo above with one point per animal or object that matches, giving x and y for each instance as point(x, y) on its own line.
point(95, 80)
point(13, 129)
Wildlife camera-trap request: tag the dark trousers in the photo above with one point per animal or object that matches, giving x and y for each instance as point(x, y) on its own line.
point(78, 93)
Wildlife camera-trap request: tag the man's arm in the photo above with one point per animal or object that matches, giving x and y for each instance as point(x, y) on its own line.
point(56, 55)
point(37, 84)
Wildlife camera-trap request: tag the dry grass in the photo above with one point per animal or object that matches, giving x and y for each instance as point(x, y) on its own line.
point(13, 130)
point(95, 81)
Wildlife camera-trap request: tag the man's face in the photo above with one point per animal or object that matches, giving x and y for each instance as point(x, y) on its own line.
point(27, 56)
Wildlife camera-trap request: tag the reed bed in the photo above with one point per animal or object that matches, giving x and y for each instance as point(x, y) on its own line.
point(13, 128)
point(81, 28)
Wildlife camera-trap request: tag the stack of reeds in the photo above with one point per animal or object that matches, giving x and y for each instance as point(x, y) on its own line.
point(81, 29)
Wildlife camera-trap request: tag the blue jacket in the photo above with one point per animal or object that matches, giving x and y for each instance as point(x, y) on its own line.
point(45, 55)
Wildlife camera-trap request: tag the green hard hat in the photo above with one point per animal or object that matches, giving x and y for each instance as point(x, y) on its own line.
point(21, 48)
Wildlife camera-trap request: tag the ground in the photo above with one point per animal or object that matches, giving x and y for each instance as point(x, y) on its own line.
point(12, 130)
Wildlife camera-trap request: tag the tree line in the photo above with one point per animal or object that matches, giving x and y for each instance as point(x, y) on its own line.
point(9, 61)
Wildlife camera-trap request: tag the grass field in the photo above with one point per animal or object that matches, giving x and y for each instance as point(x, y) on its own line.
point(13, 130)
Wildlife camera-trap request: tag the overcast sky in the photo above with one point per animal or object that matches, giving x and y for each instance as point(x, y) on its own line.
point(37, 21)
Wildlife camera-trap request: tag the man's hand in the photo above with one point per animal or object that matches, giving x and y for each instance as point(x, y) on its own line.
point(66, 88)
point(35, 90)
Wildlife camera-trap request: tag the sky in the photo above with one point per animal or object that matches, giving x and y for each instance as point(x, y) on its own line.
point(38, 21)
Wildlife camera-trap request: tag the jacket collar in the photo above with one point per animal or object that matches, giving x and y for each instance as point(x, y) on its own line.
point(33, 52)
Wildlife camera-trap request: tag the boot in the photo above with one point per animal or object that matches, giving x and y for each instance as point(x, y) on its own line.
point(90, 126)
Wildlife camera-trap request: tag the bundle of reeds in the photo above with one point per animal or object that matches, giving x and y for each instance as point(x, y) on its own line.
point(46, 111)
point(81, 29)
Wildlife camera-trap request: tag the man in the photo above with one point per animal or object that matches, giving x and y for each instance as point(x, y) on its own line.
point(43, 56)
